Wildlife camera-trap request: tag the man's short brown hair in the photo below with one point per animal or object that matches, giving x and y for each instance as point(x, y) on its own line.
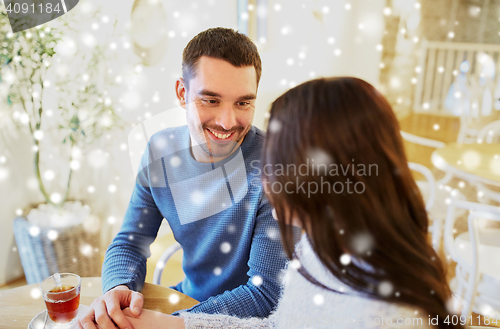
point(221, 43)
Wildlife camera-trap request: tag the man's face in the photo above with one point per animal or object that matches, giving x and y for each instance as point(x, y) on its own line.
point(220, 105)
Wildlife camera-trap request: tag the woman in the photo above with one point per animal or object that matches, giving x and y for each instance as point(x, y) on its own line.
point(336, 167)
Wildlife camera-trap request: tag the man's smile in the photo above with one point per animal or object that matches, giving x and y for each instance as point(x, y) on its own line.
point(219, 136)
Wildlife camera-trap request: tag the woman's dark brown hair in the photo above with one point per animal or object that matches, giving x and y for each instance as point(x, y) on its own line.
point(380, 222)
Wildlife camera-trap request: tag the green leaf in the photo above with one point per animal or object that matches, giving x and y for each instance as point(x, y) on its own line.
point(74, 123)
point(5, 60)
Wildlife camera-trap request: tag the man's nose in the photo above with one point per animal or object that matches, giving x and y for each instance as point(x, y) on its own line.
point(226, 118)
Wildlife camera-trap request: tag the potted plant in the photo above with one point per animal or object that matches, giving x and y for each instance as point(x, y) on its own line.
point(64, 110)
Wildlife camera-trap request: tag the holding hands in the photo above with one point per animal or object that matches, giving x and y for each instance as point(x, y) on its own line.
point(121, 308)
point(154, 320)
point(107, 311)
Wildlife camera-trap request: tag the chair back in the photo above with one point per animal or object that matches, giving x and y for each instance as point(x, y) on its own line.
point(431, 183)
point(160, 265)
point(450, 220)
point(459, 79)
point(424, 132)
point(439, 65)
point(490, 133)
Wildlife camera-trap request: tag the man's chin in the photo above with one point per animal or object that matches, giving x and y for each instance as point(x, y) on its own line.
point(220, 154)
point(222, 151)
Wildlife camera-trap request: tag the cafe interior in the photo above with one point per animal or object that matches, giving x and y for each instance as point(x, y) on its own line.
point(437, 62)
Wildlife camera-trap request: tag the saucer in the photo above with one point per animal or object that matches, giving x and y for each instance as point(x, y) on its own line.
point(37, 322)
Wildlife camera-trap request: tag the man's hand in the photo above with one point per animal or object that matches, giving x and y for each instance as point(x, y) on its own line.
point(106, 311)
point(154, 320)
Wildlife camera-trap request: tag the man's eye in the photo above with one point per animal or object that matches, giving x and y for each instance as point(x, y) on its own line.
point(243, 103)
point(210, 101)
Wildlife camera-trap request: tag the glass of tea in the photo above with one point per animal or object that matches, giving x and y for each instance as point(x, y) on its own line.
point(61, 293)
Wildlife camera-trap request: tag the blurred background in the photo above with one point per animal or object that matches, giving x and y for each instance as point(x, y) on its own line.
point(72, 90)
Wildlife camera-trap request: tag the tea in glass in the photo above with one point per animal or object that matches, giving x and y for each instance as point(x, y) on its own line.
point(61, 293)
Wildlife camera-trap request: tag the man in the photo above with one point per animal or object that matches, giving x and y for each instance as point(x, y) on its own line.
point(198, 178)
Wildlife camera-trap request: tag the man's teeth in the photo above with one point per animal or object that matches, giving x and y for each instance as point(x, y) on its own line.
point(221, 136)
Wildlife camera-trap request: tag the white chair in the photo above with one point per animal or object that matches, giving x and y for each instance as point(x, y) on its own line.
point(431, 195)
point(481, 89)
point(422, 141)
point(160, 265)
point(437, 193)
point(428, 190)
point(476, 285)
point(430, 143)
point(489, 134)
point(440, 68)
point(137, 142)
point(486, 194)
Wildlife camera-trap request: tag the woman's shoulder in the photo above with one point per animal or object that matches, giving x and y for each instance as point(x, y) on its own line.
point(345, 307)
point(381, 314)
point(305, 305)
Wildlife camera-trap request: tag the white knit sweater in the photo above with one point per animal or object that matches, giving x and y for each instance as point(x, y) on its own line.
point(305, 305)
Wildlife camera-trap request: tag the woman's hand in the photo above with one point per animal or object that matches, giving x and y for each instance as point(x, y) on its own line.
point(106, 311)
point(154, 320)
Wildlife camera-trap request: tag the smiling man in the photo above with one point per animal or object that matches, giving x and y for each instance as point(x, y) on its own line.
point(220, 106)
point(198, 177)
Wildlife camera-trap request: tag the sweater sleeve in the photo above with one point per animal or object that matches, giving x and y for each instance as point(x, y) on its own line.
point(218, 321)
point(259, 296)
point(125, 260)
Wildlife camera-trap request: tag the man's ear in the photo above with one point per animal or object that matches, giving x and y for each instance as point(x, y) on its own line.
point(180, 91)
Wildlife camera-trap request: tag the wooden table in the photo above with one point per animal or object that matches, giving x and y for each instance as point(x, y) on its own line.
point(472, 162)
point(19, 305)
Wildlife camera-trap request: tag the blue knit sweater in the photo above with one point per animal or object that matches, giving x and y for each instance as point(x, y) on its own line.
point(233, 258)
